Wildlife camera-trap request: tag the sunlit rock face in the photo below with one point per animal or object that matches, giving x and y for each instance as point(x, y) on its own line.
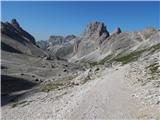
point(95, 33)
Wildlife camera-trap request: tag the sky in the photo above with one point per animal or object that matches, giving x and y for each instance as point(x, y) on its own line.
point(43, 19)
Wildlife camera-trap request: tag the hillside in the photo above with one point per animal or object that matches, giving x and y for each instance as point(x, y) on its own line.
point(15, 39)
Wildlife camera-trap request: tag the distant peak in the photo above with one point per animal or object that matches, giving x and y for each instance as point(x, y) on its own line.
point(117, 31)
point(96, 29)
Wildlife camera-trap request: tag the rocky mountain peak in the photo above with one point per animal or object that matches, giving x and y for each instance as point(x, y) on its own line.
point(15, 24)
point(14, 30)
point(60, 40)
point(70, 37)
point(2, 26)
point(96, 29)
point(146, 33)
point(117, 31)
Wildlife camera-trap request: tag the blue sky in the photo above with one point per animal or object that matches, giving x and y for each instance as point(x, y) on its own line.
point(43, 19)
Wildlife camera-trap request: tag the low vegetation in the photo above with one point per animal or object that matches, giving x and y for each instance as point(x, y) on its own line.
point(154, 48)
point(107, 58)
point(154, 71)
point(58, 84)
point(55, 86)
point(133, 56)
point(51, 86)
point(22, 104)
point(127, 58)
point(103, 61)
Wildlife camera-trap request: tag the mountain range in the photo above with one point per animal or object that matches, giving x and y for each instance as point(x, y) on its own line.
point(95, 75)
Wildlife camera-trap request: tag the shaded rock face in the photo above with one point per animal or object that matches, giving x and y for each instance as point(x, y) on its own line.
point(15, 24)
point(76, 45)
point(15, 39)
point(14, 30)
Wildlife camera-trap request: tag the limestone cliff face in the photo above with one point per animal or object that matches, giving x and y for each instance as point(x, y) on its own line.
point(96, 30)
point(95, 33)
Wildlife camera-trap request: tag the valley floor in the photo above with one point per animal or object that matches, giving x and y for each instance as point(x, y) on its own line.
point(108, 96)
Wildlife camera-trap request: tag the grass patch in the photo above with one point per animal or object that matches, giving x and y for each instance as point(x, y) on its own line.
point(101, 62)
point(19, 103)
point(154, 48)
point(92, 64)
point(154, 71)
point(107, 58)
point(14, 105)
point(51, 86)
point(133, 56)
point(124, 59)
point(58, 84)
point(127, 58)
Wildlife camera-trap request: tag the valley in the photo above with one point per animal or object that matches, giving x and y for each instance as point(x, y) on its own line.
point(98, 75)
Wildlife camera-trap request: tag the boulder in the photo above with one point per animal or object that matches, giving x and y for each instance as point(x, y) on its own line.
point(82, 78)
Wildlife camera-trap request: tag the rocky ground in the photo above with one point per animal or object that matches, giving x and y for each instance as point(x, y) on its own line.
point(21, 73)
point(119, 92)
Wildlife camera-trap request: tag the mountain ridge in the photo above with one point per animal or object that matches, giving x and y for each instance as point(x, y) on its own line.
point(14, 37)
point(97, 38)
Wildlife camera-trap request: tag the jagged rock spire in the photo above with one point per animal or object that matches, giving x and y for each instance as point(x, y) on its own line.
point(117, 31)
point(96, 29)
point(15, 24)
